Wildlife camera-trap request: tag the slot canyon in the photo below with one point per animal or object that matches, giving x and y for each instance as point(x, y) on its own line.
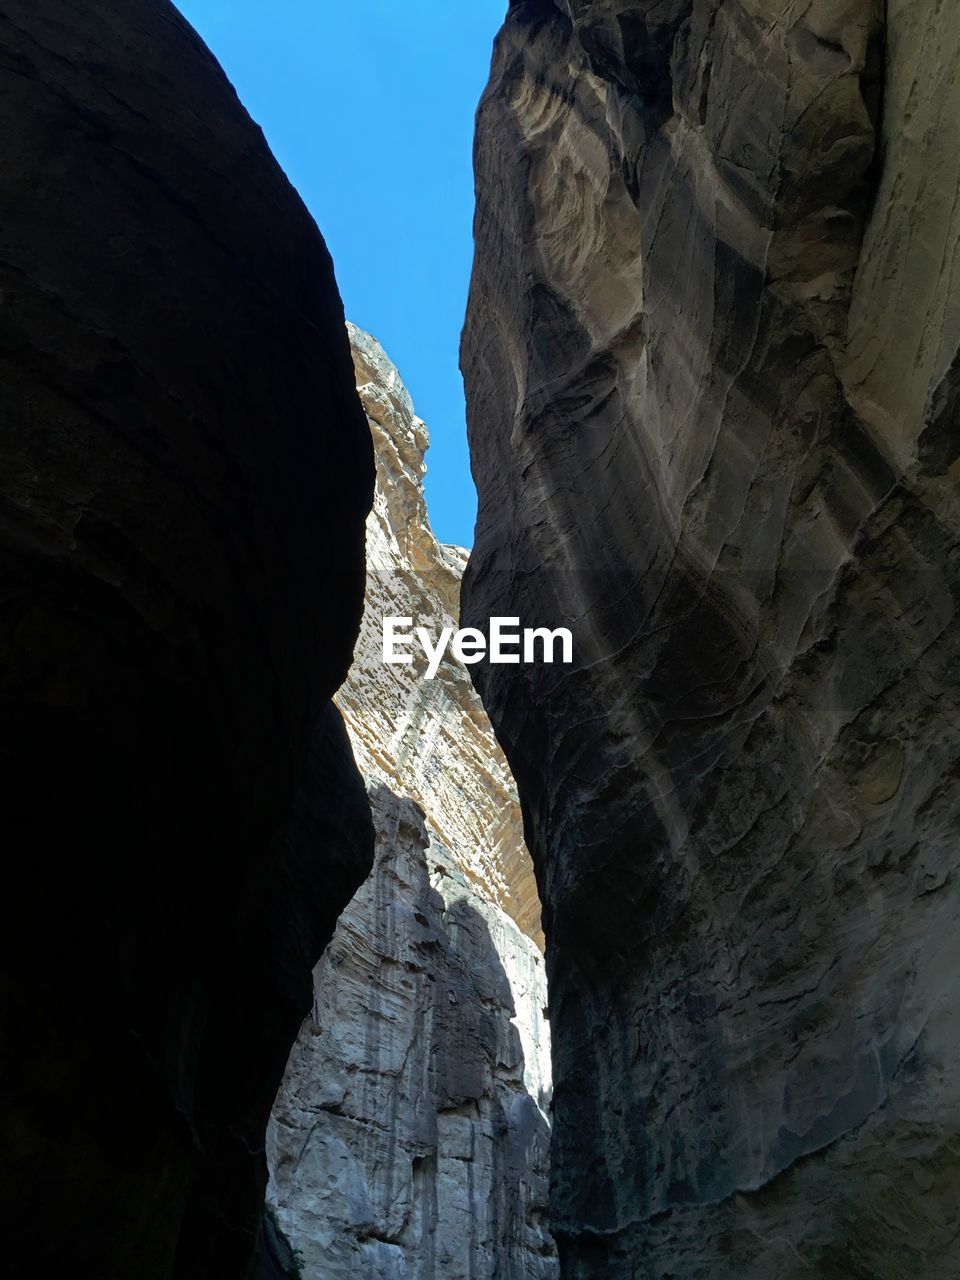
point(410, 1135)
point(642, 966)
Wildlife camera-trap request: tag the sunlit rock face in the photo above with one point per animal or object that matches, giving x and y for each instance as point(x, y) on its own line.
point(409, 1140)
point(431, 739)
point(185, 472)
point(711, 361)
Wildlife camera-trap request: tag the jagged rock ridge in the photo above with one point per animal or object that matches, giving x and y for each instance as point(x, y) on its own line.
point(185, 476)
point(410, 1138)
point(711, 362)
point(431, 739)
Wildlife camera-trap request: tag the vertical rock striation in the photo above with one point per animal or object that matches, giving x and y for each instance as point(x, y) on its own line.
point(185, 475)
point(407, 1142)
point(429, 739)
point(409, 1138)
point(711, 360)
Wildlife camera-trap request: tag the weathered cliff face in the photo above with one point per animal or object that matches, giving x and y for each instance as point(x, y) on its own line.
point(409, 1138)
point(430, 740)
point(185, 476)
point(711, 360)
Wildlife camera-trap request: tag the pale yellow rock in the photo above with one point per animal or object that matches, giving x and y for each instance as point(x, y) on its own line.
point(429, 740)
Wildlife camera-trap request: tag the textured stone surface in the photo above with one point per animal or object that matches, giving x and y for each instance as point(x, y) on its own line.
point(407, 1140)
point(410, 1137)
point(184, 479)
point(430, 740)
point(711, 361)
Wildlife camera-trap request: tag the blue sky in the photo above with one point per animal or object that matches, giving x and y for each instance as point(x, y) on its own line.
point(368, 105)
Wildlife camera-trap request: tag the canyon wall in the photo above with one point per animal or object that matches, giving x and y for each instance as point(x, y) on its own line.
point(185, 475)
point(712, 358)
point(430, 739)
point(410, 1138)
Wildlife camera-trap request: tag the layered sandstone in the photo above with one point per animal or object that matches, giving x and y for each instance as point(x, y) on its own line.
point(410, 1136)
point(711, 360)
point(429, 739)
point(185, 475)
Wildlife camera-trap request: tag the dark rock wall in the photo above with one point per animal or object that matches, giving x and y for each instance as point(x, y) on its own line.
point(711, 364)
point(184, 479)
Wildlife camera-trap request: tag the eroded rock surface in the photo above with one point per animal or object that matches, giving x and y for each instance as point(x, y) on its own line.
point(407, 1140)
point(430, 740)
point(711, 361)
point(410, 1136)
point(185, 476)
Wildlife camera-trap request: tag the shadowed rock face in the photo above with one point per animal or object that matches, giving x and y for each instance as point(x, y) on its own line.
point(184, 479)
point(711, 361)
point(408, 1141)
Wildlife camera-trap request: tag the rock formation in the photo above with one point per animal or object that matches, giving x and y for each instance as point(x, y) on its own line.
point(429, 739)
point(185, 475)
point(712, 358)
point(409, 1138)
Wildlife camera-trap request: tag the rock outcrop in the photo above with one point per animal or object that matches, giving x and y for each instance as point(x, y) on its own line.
point(430, 740)
point(711, 360)
point(185, 476)
point(409, 1138)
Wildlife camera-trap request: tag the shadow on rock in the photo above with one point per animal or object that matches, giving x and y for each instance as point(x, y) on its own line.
point(406, 1133)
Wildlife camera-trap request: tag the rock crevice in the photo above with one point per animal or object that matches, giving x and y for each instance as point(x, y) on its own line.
point(410, 1136)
